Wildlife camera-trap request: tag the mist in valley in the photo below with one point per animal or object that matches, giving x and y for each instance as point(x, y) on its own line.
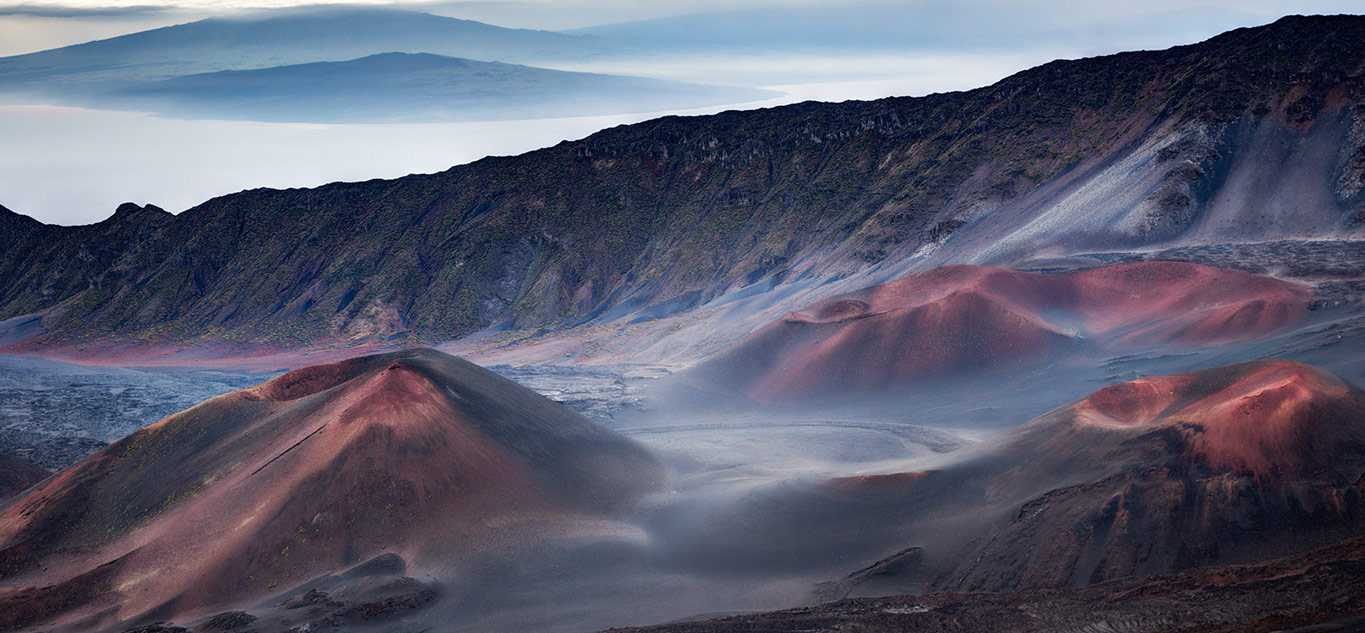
point(759, 509)
point(72, 160)
point(177, 163)
point(1100, 322)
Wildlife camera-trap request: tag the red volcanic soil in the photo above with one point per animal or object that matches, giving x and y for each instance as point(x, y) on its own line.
point(1171, 472)
point(415, 453)
point(1231, 464)
point(966, 319)
point(1266, 418)
point(1180, 303)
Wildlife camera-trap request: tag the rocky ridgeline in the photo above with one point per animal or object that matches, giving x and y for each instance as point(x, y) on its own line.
point(640, 221)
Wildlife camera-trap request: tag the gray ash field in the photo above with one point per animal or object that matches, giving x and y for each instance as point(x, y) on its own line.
point(602, 394)
point(53, 413)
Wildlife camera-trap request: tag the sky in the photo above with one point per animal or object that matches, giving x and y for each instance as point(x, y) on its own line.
point(73, 166)
point(31, 25)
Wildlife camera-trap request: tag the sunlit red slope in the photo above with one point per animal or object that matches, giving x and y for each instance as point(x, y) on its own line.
point(1270, 419)
point(1165, 473)
point(958, 320)
point(1233, 464)
point(415, 453)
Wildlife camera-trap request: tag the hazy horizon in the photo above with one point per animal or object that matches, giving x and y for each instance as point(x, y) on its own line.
point(52, 23)
point(131, 157)
point(128, 156)
point(709, 316)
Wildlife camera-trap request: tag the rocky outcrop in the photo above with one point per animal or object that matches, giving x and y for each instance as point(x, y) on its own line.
point(1320, 590)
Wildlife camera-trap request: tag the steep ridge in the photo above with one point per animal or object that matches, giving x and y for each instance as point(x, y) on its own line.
point(647, 220)
point(414, 453)
point(953, 321)
point(49, 263)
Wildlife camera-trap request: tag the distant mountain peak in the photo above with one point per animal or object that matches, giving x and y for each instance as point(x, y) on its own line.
point(276, 38)
point(130, 208)
point(13, 219)
point(130, 211)
point(414, 86)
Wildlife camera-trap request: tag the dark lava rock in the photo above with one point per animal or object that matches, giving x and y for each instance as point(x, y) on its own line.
point(159, 627)
point(311, 598)
point(416, 600)
point(227, 621)
point(1323, 590)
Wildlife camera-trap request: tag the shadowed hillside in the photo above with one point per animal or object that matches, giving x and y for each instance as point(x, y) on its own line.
point(1254, 134)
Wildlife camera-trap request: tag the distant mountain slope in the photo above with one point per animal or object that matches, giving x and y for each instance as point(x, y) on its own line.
point(275, 38)
point(1255, 134)
point(900, 26)
point(415, 87)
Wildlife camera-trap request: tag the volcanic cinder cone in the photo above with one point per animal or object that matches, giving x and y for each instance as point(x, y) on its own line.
point(959, 321)
point(414, 453)
point(1231, 464)
point(1226, 465)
